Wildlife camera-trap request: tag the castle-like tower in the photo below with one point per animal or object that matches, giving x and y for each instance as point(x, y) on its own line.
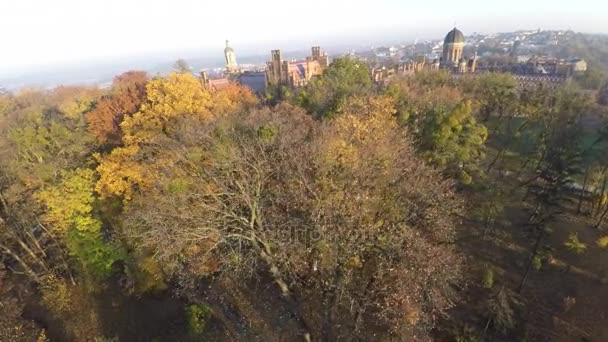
point(295, 73)
point(231, 66)
point(453, 45)
point(318, 56)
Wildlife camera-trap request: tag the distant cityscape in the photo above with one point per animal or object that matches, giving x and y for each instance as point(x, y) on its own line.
point(523, 53)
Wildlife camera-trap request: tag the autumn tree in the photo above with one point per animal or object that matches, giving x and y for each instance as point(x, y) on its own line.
point(47, 189)
point(336, 214)
point(232, 98)
point(70, 205)
point(170, 102)
point(17, 238)
point(429, 80)
point(127, 95)
point(414, 96)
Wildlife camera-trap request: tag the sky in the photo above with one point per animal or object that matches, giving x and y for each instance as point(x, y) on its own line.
point(35, 33)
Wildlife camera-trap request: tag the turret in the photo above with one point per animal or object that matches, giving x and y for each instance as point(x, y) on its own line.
point(231, 65)
point(473, 63)
point(462, 66)
point(276, 55)
point(204, 78)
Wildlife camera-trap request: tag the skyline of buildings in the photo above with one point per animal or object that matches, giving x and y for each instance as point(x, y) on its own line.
point(529, 41)
point(456, 54)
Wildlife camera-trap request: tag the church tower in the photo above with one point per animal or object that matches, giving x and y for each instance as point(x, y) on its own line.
point(231, 66)
point(453, 45)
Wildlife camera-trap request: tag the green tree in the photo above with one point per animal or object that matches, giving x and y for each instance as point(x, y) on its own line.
point(559, 151)
point(495, 93)
point(70, 206)
point(181, 66)
point(325, 94)
point(454, 140)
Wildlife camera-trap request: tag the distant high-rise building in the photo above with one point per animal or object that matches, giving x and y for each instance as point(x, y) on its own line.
point(231, 65)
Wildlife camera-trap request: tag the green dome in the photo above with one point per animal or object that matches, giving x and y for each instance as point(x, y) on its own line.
point(454, 36)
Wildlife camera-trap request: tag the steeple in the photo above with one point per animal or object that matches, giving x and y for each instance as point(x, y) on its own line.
point(231, 65)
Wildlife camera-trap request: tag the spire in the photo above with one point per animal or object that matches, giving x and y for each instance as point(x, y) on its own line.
point(231, 65)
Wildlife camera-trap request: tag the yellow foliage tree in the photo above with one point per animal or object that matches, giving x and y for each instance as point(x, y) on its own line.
point(173, 102)
point(363, 122)
point(119, 173)
point(232, 98)
point(167, 99)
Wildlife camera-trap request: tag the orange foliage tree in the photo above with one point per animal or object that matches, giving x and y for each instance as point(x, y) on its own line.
point(128, 94)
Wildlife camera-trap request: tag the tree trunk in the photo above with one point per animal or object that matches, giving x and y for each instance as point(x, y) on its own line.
point(265, 253)
point(23, 264)
point(33, 255)
point(500, 153)
point(601, 197)
point(523, 166)
point(4, 209)
point(530, 262)
point(582, 195)
point(363, 297)
point(330, 301)
point(486, 227)
point(599, 222)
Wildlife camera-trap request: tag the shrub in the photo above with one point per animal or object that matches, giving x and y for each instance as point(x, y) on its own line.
point(500, 309)
point(198, 315)
point(467, 334)
point(574, 244)
point(537, 262)
point(56, 294)
point(603, 242)
point(488, 278)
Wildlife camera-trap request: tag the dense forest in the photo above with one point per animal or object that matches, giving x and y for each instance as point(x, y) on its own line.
point(432, 208)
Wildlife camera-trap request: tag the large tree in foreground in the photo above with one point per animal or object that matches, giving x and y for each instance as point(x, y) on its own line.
point(342, 219)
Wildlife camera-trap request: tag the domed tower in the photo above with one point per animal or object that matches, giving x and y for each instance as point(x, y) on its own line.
point(231, 65)
point(453, 45)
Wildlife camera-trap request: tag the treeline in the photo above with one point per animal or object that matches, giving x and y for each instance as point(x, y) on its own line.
point(592, 48)
point(326, 214)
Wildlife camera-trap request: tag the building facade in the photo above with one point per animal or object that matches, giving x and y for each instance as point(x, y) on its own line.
point(295, 73)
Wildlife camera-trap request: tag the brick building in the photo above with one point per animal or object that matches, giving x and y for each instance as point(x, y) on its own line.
point(295, 73)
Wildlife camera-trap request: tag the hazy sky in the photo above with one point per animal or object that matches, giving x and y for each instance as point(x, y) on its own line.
point(45, 32)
